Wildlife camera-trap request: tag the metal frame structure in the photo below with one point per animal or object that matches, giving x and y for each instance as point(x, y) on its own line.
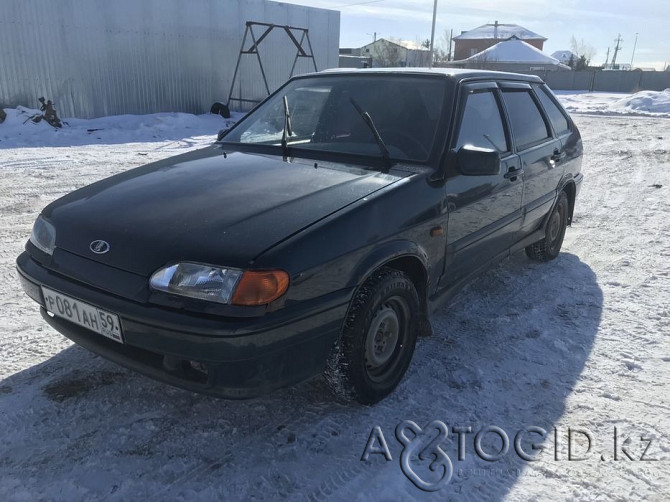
point(300, 52)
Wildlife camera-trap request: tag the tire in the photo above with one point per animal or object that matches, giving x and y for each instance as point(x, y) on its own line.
point(377, 339)
point(548, 248)
point(220, 109)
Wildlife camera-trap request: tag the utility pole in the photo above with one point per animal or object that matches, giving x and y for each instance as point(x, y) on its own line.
point(432, 35)
point(634, 46)
point(607, 58)
point(618, 40)
point(451, 36)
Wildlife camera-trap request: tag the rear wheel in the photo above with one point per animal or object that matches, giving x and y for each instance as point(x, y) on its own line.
point(549, 247)
point(377, 340)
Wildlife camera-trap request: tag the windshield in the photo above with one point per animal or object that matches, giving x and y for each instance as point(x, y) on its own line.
point(405, 110)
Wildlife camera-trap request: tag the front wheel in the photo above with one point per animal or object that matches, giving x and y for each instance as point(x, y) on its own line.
point(549, 247)
point(377, 340)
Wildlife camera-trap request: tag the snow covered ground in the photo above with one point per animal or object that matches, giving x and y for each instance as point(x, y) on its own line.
point(19, 131)
point(582, 342)
point(651, 103)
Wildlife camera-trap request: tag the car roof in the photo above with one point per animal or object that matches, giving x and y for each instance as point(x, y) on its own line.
point(457, 74)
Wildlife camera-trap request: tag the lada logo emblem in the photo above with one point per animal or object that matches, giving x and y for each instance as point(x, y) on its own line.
point(99, 247)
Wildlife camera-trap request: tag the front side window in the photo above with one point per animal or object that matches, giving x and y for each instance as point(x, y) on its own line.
point(526, 120)
point(482, 125)
point(406, 111)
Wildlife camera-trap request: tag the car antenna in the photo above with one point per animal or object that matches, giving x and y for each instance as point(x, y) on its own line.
point(288, 130)
point(370, 123)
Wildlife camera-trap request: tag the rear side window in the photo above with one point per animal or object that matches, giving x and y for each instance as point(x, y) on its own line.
point(526, 119)
point(482, 125)
point(556, 117)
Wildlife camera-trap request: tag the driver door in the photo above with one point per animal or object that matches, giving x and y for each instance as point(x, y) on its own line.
point(484, 210)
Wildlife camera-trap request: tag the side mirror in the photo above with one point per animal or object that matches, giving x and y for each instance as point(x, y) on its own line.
point(477, 161)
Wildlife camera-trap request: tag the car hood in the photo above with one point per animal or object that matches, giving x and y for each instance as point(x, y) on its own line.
point(204, 206)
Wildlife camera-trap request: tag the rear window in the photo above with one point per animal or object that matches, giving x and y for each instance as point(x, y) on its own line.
point(528, 126)
point(556, 116)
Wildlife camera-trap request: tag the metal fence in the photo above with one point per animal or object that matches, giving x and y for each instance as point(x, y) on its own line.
point(348, 61)
point(607, 81)
point(102, 57)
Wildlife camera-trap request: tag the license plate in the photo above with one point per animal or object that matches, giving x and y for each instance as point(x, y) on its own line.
point(83, 314)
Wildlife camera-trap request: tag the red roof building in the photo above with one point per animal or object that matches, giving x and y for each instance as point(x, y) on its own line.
point(472, 42)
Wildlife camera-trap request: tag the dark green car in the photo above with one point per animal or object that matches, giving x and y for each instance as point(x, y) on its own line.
point(316, 236)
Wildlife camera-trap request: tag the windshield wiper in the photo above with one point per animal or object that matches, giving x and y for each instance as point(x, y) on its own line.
point(369, 122)
point(288, 130)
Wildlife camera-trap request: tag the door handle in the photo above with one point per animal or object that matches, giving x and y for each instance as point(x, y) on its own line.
point(558, 155)
point(513, 172)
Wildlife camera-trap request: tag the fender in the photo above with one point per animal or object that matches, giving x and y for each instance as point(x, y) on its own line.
point(383, 254)
point(386, 253)
point(567, 180)
point(541, 232)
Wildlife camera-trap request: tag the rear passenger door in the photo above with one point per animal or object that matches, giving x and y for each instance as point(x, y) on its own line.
point(540, 153)
point(563, 128)
point(484, 210)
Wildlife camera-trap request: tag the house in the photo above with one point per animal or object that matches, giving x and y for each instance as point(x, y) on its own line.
point(469, 43)
point(389, 53)
point(565, 56)
point(512, 55)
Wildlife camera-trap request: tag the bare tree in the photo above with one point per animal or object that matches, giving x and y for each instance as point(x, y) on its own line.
point(387, 53)
point(482, 61)
point(443, 50)
point(440, 55)
point(581, 49)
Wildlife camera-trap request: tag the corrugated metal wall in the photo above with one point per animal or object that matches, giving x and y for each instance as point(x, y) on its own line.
point(102, 57)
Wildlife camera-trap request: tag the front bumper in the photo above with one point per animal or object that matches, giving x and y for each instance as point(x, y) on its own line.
point(224, 356)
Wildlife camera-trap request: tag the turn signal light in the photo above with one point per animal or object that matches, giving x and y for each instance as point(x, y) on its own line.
point(260, 287)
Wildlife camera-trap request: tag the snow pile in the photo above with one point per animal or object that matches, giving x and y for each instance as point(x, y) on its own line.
point(650, 103)
point(18, 130)
point(514, 51)
point(647, 102)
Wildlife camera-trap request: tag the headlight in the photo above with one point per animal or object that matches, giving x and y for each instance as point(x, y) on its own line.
point(197, 281)
point(43, 235)
point(221, 285)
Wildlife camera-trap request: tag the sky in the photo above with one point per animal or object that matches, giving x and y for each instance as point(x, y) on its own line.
point(596, 22)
